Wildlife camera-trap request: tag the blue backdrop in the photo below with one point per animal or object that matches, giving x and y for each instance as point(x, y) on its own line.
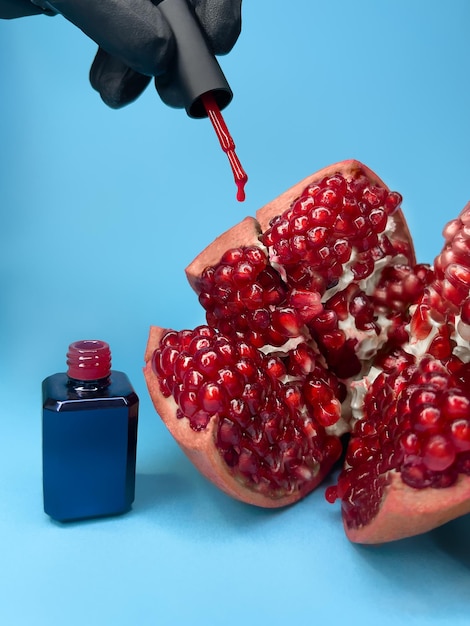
point(101, 212)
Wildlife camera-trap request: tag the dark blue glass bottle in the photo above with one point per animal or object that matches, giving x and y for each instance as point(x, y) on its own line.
point(89, 436)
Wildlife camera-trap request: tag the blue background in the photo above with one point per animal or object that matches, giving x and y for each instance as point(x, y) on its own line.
point(101, 212)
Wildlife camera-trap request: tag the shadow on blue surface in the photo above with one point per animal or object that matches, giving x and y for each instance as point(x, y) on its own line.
point(454, 539)
point(176, 495)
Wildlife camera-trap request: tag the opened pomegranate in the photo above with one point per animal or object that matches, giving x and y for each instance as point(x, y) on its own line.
point(319, 323)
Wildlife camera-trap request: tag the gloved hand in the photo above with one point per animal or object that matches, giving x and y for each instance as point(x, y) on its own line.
point(135, 41)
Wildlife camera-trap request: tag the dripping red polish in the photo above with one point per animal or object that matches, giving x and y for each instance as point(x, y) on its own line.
point(226, 142)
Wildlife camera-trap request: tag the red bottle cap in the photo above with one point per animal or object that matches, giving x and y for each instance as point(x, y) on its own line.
point(89, 359)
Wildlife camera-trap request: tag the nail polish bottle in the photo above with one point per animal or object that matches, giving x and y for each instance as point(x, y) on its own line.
point(89, 436)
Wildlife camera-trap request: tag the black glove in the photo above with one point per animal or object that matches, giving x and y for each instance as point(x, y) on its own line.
point(135, 41)
point(9, 9)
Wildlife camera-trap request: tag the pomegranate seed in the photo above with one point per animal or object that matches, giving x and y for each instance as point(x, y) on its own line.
point(275, 367)
point(192, 379)
point(438, 453)
point(392, 202)
point(229, 432)
point(166, 363)
point(465, 312)
point(331, 494)
point(287, 321)
point(299, 224)
point(302, 360)
point(206, 360)
point(188, 402)
point(363, 268)
point(328, 414)
point(460, 434)
point(248, 462)
point(321, 216)
point(231, 381)
point(336, 182)
point(455, 406)
point(317, 392)
point(232, 256)
point(416, 475)
point(199, 420)
point(328, 197)
point(247, 368)
point(374, 196)
point(239, 411)
point(410, 444)
point(342, 250)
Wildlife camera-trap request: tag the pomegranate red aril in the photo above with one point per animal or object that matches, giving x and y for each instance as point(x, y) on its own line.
point(319, 217)
point(392, 202)
point(307, 303)
point(328, 414)
point(192, 379)
point(299, 224)
point(459, 431)
point(260, 319)
point(363, 268)
point(206, 360)
point(229, 432)
point(287, 321)
point(319, 322)
point(302, 360)
point(410, 444)
point(438, 453)
point(274, 367)
point(211, 397)
point(455, 405)
point(428, 419)
point(199, 342)
point(199, 420)
point(465, 312)
point(342, 250)
point(166, 363)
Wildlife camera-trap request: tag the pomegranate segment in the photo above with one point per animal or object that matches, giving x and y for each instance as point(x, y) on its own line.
point(312, 273)
point(413, 422)
point(337, 225)
point(271, 436)
point(319, 322)
point(416, 422)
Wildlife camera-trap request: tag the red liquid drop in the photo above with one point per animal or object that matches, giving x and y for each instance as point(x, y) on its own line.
point(226, 142)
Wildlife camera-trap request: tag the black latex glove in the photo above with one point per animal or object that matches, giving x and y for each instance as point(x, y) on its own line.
point(135, 41)
point(10, 9)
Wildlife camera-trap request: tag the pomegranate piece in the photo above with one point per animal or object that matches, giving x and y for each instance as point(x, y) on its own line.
point(407, 467)
point(241, 415)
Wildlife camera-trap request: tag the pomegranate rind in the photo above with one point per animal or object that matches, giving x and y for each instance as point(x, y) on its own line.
point(406, 512)
point(201, 450)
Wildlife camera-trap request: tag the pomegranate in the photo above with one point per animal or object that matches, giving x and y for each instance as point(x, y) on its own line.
point(320, 328)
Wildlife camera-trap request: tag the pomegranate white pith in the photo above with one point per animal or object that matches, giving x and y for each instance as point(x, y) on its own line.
point(307, 306)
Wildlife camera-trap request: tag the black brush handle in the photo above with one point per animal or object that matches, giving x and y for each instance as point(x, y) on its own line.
point(195, 69)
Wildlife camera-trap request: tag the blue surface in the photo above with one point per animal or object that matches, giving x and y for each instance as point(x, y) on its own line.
point(102, 210)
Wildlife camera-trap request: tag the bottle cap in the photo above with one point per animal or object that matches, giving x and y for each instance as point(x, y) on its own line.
point(89, 359)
